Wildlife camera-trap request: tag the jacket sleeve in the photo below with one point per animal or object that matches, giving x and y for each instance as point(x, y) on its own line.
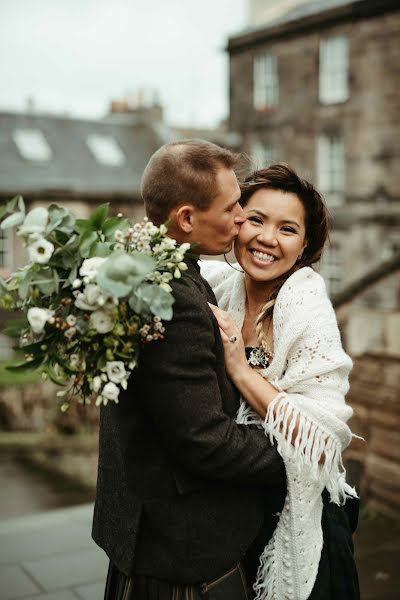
point(178, 380)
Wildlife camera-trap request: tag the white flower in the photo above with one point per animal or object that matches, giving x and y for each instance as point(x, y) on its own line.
point(38, 317)
point(184, 247)
point(119, 236)
point(110, 391)
point(163, 229)
point(90, 266)
point(74, 360)
point(40, 251)
point(116, 371)
point(91, 298)
point(76, 283)
point(69, 333)
point(71, 320)
point(101, 321)
point(96, 383)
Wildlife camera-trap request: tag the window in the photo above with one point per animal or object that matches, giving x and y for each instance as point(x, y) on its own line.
point(332, 267)
point(105, 150)
point(5, 248)
point(331, 168)
point(333, 70)
point(265, 76)
point(263, 154)
point(32, 145)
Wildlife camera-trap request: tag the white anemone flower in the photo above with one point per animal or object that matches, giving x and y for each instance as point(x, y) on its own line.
point(38, 317)
point(116, 371)
point(90, 266)
point(41, 251)
point(110, 391)
point(101, 321)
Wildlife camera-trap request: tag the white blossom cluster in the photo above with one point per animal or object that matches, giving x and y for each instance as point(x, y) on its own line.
point(107, 384)
point(138, 237)
point(91, 298)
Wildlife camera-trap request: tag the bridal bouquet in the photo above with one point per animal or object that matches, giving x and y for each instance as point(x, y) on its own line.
point(94, 291)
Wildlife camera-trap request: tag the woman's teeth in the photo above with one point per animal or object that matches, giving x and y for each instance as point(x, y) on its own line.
point(263, 256)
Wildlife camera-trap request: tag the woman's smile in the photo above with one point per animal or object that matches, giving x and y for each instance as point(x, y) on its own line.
point(272, 238)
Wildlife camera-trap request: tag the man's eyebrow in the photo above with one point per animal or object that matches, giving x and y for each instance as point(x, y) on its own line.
point(286, 221)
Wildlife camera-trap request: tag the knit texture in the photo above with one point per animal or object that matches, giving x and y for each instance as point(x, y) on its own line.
point(310, 370)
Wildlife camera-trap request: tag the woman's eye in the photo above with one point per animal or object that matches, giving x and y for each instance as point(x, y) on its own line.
point(255, 220)
point(288, 230)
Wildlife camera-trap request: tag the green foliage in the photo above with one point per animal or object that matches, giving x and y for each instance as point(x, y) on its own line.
point(93, 292)
point(123, 272)
point(9, 378)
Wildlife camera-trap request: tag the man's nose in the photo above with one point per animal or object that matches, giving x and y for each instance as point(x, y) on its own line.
point(239, 216)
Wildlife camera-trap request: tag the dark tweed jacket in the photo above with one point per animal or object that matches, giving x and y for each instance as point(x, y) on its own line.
point(178, 491)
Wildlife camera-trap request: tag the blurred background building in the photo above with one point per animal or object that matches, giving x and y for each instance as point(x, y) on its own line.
point(314, 83)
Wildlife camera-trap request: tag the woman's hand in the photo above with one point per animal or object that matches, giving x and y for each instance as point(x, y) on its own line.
point(235, 354)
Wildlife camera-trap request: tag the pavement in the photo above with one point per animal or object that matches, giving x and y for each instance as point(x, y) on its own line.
point(51, 556)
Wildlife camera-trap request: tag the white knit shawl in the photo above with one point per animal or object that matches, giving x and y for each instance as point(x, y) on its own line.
point(310, 369)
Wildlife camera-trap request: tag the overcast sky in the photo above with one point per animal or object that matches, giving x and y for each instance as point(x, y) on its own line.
point(76, 55)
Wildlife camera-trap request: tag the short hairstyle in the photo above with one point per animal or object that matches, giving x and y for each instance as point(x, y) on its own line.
point(183, 172)
point(281, 177)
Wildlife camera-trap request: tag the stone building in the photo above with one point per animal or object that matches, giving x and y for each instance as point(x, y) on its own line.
point(317, 87)
point(73, 162)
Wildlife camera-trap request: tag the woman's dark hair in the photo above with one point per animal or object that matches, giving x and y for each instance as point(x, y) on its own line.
point(281, 177)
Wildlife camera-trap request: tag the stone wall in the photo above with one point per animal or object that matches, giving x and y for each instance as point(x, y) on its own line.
point(375, 463)
point(35, 407)
point(368, 120)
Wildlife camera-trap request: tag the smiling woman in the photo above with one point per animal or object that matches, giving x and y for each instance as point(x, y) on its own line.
point(273, 237)
point(276, 321)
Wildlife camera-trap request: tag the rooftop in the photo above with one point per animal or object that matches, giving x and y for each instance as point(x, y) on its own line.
point(42, 155)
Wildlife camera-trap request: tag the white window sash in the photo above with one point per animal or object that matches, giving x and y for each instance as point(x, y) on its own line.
point(333, 70)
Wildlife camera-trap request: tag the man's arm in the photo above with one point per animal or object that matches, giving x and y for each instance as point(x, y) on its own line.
point(180, 387)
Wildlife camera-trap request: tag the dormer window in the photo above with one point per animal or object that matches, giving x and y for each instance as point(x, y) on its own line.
point(32, 145)
point(105, 150)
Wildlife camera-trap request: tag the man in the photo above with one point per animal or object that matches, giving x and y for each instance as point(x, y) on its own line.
point(178, 495)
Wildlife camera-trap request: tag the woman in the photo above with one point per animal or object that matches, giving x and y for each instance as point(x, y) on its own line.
point(276, 321)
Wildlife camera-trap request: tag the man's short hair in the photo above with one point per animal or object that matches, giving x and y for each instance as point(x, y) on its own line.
point(183, 172)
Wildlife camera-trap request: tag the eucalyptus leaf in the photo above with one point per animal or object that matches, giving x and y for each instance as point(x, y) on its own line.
point(23, 288)
point(13, 220)
point(121, 273)
point(60, 218)
point(35, 221)
point(88, 239)
point(21, 204)
point(159, 301)
point(100, 249)
point(47, 282)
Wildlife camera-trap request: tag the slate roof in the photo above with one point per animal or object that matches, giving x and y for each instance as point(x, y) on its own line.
point(312, 15)
point(72, 169)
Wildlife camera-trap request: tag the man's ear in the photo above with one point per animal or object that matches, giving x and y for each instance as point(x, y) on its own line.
point(184, 218)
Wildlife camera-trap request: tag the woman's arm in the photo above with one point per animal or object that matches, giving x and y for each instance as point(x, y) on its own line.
point(255, 389)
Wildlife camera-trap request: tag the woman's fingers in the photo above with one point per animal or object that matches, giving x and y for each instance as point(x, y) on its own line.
point(225, 321)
